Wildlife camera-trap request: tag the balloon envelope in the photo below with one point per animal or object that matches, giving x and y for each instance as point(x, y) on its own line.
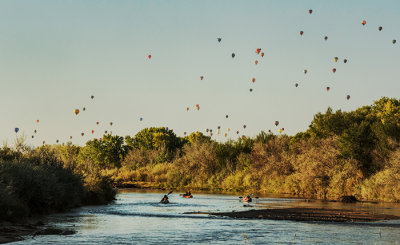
point(76, 111)
point(16, 130)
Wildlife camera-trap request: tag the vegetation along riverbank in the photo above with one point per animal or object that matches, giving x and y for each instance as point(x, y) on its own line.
point(352, 153)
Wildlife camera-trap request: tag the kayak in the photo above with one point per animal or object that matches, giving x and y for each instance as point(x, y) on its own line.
point(164, 201)
point(247, 199)
point(187, 196)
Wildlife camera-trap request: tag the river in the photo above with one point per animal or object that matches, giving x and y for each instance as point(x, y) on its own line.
point(137, 217)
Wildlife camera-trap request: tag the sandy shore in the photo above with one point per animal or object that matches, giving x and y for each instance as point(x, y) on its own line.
point(310, 214)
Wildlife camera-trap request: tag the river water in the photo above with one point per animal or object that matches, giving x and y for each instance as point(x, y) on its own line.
point(137, 217)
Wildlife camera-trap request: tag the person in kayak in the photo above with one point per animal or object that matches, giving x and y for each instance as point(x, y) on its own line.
point(247, 199)
point(165, 199)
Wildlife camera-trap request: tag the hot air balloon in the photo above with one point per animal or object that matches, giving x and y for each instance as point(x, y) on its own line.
point(262, 54)
point(229, 129)
point(281, 130)
point(44, 142)
point(219, 39)
point(207, 130)
point(258, 51)
point(111, 123)
point(363, 22)
point(301, 33)
point(276, 123)
point(33, 136)
point(348, 97)
point(380, 28)
point(226, 116)
point(336, 59)
point(57, 141)
point(92, 131)
point(253, 79)
point(16, 130)
point(310, 11)
point(328, 88)
point(326, 38)
point(35, 131)
point(70, 137)
point(233, 55)
point(256, 62)
point(345, 61)
point(251, 90)
point(219, 127)
point(198, 106)
point(37, 121)
point(82, 134)
point(211, 134)
point(184, 133)
point(201, 77)
point(333, 70)
point(141, 119)
point(244, 126)
point(394, 41)
point(149, 56)
point(84, 109)
point(106, 132)
point(97, 123)
point(226, 134)
point(296, 85)
point(305, 71)
point(187, 108)
point(76, 111)
point(92, 97)
point(210, 130)
point(237, 132)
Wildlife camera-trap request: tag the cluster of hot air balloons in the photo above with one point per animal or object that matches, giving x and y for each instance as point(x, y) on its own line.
point(257, 61)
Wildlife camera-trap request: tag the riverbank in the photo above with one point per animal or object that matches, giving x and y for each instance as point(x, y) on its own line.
point(310, 214)
point(12, 232)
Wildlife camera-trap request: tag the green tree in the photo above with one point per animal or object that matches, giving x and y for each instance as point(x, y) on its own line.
point(106, 153)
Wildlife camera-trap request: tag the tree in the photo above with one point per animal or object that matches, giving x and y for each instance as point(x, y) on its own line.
point(106, 153)
point(154, 138)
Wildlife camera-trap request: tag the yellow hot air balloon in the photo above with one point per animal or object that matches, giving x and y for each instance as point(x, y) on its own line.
point(336, 59)
point(229, 129)
point(76, 111)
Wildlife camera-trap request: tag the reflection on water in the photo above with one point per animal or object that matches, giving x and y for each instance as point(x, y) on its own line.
point(139, 218)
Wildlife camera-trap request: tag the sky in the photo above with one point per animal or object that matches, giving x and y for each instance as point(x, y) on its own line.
point(55, 54)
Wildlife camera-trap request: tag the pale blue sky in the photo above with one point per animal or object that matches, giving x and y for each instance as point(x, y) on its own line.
point(55, 54)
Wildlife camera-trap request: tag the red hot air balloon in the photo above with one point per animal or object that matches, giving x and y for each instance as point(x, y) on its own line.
point(276, 123)
point(149, 56)
point(333, 70)
point(328, 88)
point(92, 131)
point(262, 54)
point(310, 11)
point(256, 62)
point(184, 133)
point(37, 121)
point(201, 77)
point(258, 51)
point(97, 123)
point(363, 22)
point(301, 33)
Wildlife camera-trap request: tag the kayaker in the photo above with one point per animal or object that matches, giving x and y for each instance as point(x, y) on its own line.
point(165, 199)
point(247, 199)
